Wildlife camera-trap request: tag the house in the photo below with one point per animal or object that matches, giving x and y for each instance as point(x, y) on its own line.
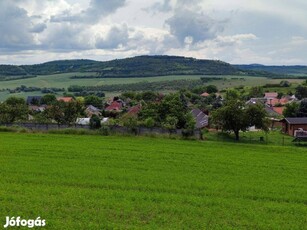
point(270, 95)
point(92, 110)
point(134, 111)
point(115, 106)
point(279, 110)
point(37, 108)
point(200, 118)
point(65, 99)
point(34, 100)
point(205, 94)
point(289, 125)
point(276, 101)
point(254, 101)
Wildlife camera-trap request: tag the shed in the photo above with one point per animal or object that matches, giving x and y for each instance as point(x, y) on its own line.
point(290, 124)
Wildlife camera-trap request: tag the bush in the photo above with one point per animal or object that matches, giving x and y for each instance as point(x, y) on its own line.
point(104, 130)
point(186, 133)
point(95, 122)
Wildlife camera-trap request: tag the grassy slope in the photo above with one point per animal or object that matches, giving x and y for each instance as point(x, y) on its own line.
point(64, 81)
point(93, 182)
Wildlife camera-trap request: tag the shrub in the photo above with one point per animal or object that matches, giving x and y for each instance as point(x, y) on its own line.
point(104, 130)
point(95, 122)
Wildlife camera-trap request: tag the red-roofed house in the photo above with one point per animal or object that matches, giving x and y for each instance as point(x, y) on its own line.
point(115, 106)
point(276, 101)
point(65, 99)
point(279, 110)
point(133, 111)
point(205, 94)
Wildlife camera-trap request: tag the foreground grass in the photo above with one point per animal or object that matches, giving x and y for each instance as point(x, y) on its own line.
point(94, 182)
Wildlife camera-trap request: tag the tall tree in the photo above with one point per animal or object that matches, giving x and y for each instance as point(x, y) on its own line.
point(291, 110)
point(48, 99)
point(235, 116)
point(15, 109)
point(301, 92)
point(93, 100)
point(302, 110)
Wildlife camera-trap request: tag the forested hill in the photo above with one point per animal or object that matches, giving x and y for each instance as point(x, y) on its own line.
point(292, 70)
point(140, 66)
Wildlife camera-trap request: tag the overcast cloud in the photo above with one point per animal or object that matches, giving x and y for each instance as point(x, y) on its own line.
point(235, 31)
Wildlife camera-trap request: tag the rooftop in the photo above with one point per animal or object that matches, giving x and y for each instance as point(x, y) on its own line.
point(296, 120)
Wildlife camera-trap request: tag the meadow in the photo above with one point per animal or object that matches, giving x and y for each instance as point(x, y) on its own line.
point(65, 80)
point(96, 182)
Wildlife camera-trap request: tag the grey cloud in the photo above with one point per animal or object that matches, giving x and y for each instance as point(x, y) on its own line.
point(65, 37)
point(38, 28)
point(188, 24)
point(118, 35)
point(15, 27)
point(96, 10)
point(181, 3)
point(158, 7)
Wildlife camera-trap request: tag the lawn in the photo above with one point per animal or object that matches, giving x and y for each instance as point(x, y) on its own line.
point(95, 182)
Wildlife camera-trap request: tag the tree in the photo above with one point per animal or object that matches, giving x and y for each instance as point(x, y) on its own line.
point(64, 112)
point(131, 123)
point(231, 117)
point(256, 91)
point(291, 110)
point(48, 99)
point(285, 84)
point(232, 94)
point(173, 105)
point(55, 112)
point(95, 122)
point(170, 123)
point(149, 96)
point(235, 117)
point(211, 89)
point(93, 100)
point(72, 110)
point(301, 92)
point(15, 108)
point(280, 95)
point(256, 116)
point(149, 122)
point(302, 110)
point(4, 115)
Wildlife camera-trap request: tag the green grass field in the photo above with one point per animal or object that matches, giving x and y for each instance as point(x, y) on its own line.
point(64, 81)
point(95, 182)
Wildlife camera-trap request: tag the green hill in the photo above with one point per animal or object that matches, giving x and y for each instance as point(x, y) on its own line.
point(283, 70)
point(146, 66)
point(140, 66)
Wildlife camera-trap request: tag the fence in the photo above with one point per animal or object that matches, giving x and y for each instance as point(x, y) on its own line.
point(114, 129)
point(259, 137)
point(45, 127)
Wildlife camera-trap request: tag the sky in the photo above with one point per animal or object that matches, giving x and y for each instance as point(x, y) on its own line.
point(271, 32)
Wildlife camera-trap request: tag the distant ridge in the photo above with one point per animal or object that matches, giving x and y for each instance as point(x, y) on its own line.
point(139, 66)
point(146, 66)
point(291, 70)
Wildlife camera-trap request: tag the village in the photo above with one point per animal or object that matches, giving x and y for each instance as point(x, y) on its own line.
point(187, 111)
